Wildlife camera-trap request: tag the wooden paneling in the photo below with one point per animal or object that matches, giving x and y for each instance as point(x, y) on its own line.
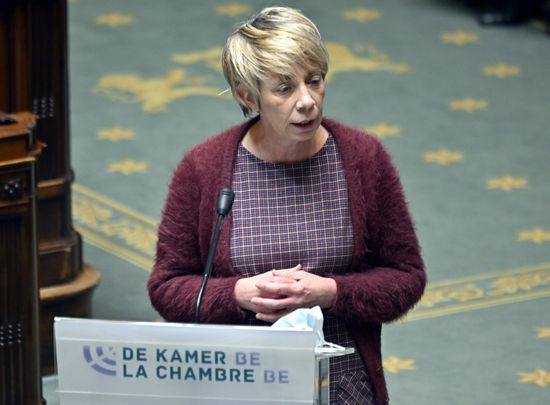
point(20, 382)
point(34, 77)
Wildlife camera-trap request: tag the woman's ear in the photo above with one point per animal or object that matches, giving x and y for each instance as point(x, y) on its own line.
point(247, 98)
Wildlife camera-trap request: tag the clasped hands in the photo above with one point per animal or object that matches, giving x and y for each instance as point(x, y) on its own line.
point(276, 293)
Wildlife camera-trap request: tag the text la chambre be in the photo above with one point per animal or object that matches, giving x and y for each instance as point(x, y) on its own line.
point(198, 365)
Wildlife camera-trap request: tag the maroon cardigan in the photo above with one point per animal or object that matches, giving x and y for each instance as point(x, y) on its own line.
point(386, 277)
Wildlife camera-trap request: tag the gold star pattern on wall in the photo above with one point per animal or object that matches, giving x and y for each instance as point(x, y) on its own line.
point(138, 236)
point(116, 134)
point(543, 333)
point(343, 59)
point(468, 104)
point(396, 365)
point(211, 56)
point(233, 9)
point(443, 156)
point(538, 376)
point(383, 130)
point(501, 70)
point(361, 14)
point(515, 284)
point(133, 235)
point(459, 38)
point(128, 166)
point(89, 214)
point(536, 235)
point(114, 19)
point(488, 290)
point(433, 297)
point(507, 183)
point(155, 93)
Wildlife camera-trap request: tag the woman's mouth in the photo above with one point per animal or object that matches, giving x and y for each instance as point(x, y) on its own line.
point(305, 124)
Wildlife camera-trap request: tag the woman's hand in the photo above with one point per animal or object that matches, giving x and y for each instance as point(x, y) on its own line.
point(280, 292)
point(246, 289)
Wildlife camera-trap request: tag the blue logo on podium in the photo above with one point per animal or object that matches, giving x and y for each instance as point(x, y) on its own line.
point(99, 360)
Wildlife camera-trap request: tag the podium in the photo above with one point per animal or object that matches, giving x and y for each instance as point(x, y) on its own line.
point(116, 363)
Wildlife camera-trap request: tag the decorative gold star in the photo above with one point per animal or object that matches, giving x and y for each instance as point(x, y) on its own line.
point(468, 104)
point(543, 333)
point(459, 38)
point(128, 167)
point(395, 364)
point(116, 134)
point(114, 19)
point(361, 14)
point(383, 130)
point(535, 235)
point(538, 376)
point(501, 70)
point(507, 183)
point(233, 9)
point(443, 156)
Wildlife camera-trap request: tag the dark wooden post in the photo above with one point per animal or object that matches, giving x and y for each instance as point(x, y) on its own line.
point(34, 77)
point(20, 382)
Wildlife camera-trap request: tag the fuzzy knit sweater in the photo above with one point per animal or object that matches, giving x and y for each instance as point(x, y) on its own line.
point(386, 277)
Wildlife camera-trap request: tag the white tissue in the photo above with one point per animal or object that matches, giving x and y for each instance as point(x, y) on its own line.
point(309, 319)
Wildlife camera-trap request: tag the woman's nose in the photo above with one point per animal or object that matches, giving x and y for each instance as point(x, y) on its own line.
point(305, 99)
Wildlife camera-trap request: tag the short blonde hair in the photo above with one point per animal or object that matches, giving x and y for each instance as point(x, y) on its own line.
point(273, 41)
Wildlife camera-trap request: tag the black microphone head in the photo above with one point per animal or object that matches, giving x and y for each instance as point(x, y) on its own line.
point(225, 201)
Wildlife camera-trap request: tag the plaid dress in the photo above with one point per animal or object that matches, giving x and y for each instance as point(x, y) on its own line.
point(289, 214)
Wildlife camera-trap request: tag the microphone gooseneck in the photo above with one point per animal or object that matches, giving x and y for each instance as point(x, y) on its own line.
point(224, 204)
point(225, 201)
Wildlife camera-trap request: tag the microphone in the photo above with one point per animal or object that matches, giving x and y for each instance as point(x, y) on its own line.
point(225, 202)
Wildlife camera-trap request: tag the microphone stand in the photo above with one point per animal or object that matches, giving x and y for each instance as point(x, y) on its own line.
point(225, 201)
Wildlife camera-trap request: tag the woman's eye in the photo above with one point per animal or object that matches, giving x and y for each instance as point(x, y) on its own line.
point(316, 81)
point(284, 88)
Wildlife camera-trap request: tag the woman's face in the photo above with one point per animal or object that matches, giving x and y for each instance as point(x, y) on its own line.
point(291, 108)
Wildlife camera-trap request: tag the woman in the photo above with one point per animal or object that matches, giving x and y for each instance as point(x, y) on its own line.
point(319, 216)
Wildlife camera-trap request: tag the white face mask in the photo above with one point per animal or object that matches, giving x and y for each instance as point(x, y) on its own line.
point(309, 319)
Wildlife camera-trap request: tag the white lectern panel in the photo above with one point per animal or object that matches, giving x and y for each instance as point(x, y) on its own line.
point(111, 362)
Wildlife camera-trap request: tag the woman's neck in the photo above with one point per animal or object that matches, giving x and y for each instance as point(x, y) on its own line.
point(270, 149)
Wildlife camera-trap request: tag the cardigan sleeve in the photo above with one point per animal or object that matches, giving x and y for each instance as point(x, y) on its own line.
point(177, 274)
point(387, 277)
